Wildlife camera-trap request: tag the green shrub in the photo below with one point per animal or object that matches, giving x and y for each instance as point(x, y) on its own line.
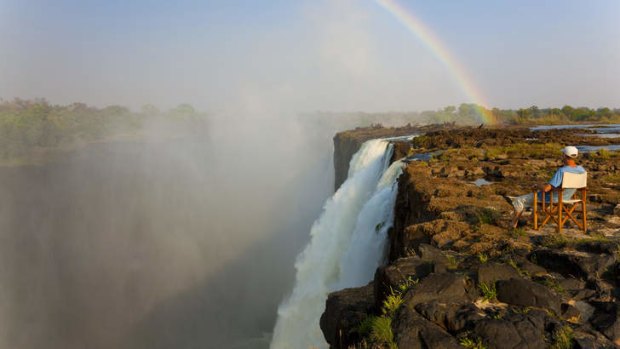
point(469, 343)
point(489, 292)
point(453, 263)
point(381, 332)
point(563, 338)
point(391, 303)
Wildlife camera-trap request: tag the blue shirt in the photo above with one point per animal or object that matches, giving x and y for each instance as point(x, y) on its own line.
point(556, 180)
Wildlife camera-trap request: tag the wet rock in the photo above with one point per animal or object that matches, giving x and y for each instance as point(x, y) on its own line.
point(412, 331)
point(527, 293)
point(344, 311)
point(492, 272)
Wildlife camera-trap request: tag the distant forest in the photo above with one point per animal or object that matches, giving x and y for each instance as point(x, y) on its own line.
point(27, 126)
point(472, 114)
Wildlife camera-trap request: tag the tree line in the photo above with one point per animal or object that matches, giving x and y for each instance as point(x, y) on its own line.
point(473, 113)
point(27, 125)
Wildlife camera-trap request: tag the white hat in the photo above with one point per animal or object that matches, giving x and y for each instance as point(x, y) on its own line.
point(570, 151)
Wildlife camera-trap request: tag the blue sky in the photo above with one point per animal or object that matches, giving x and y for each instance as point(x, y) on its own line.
point(341, 55)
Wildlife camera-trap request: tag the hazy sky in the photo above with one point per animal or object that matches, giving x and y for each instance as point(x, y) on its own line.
point(308, 55)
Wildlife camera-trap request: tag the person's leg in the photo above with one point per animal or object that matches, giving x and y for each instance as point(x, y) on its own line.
point(520, 203)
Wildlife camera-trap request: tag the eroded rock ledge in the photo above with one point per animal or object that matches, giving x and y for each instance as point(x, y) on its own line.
point(463, 277)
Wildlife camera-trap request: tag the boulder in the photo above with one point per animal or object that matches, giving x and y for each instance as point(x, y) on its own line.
point(588, 266)
point(450, 316)
point(390, 277)
point(606, 319)
point(435, 256)
point(527, 293)
point(517, 331)
point(441, 232)
point(445, 287)
point(412, 331)
point(489, 273)
point(345, 310)
point(586, 338)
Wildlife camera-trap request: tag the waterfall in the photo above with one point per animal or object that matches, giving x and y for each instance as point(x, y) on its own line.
point(346, 246)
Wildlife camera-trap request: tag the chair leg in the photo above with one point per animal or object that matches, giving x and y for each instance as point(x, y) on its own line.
point(583, 210)
point(535, 211)
point(560, 209)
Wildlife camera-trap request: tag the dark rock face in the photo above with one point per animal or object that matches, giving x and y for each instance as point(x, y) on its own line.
point(606, 319)
point(388, 278)
point(412, 331)
point(588, 266)
point(528, 294)
point(344, 311)
point(464, 275)
point(445, 288)
point(347, 143)
point(516, 331)
point(452, 317)
point(492, 272)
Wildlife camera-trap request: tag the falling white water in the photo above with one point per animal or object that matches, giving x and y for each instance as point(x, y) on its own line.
point(347, 244)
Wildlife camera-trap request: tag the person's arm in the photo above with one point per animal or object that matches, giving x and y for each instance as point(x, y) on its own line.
point(554, 182)
point(545, 187)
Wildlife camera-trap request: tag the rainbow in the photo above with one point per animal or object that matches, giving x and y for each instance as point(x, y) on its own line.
point(422, 32)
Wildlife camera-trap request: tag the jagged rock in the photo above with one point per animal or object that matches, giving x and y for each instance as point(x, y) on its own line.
point(446, 287)
point(571, 314)
point(586, 338)
point(389, 277)
point(584, 294)
point(588, 266)
point(606, 319)
point(412, 331)
point(530, 268)
point(598, 246)
point(515, 331)
point(433, 255)
point(441, 232)
point(527, 293)
point(572, 284)
point(585, 309)
point(450, 316)
point(344, 311)
point(492, 272)
point(617, 210)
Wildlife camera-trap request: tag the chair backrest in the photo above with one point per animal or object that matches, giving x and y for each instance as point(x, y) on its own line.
point(574, 180)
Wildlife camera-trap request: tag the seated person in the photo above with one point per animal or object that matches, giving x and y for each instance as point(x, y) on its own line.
point(520, 203)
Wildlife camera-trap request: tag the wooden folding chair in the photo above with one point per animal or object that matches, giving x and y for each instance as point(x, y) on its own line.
point(559, 210)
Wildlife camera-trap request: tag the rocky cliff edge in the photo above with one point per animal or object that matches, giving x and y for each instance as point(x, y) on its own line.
point(458, 276)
